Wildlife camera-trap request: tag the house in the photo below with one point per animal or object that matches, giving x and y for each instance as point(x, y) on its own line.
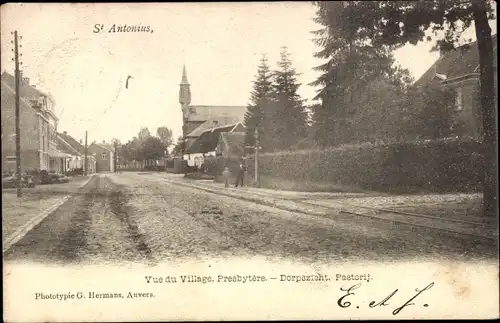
point(206, 144)
point(38, 124)
point(104, 154)
point(458, 70)
point(76, 150)
point(199, 118)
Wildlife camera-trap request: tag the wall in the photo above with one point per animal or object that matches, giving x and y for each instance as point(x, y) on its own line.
point(30, 158)
point(468, 119)
point(102, 165)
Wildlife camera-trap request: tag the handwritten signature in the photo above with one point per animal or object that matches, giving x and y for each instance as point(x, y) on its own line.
point(344, 302)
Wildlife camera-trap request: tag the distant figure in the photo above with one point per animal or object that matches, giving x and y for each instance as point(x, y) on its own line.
point(226, 174)
point(241, 173)
point(126, 83)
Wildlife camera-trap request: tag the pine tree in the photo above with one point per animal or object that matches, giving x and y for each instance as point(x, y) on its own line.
point(352, 63)
point(288, 114)
point(259, 105)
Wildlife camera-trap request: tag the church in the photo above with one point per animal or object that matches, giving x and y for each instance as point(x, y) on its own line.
point(198, 119)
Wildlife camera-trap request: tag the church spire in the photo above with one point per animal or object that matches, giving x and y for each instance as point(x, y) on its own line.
point(184, 92)
point(184, 76)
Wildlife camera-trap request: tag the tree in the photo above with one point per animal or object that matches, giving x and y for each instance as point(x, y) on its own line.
point(429, 113)
point(353, 62)
point(289, 115)
point(165, 135)
point(153, 148)
point(143, 134)
point(391, 24)
point(259, 106)
point(178, 148)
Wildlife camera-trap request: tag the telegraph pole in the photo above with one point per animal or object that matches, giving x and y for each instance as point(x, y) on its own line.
point(257, 156)
point(86, 153)
point(18, 130)
point(116, 156)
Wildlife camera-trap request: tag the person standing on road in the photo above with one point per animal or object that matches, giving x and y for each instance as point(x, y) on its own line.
point(225, 175)
point(241, 173)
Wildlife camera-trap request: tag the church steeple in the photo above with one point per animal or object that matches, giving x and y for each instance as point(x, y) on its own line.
point(184, 80)
point(184, 92)
point(184, 98)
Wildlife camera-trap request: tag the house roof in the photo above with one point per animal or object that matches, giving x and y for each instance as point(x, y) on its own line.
point(460, 61)
point(9, 97)
point(108, 147)
point(72, 142)
point(231, 144)
point(26, 91)
point(205, 112)
point(64, 146)
point(207, 141)
point(213, 123)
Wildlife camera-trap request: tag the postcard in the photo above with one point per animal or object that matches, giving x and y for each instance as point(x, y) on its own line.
point(249, 161)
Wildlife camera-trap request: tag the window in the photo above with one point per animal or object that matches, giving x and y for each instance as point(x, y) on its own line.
point(458, 99)
point(192, 110)
point(104, 156)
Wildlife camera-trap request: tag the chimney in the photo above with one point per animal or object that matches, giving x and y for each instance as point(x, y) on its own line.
point(26, 80)
point(104, 141)
point(81, 141)
point(65, 132)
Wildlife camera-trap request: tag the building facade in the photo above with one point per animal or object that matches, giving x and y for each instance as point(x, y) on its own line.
point(38, 124)
point(199, 118)
point(76, 154)
point(104, 155)
point(78, 160)
point(458, 70)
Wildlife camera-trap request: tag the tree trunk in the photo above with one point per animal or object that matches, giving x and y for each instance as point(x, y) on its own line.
point(488, 111)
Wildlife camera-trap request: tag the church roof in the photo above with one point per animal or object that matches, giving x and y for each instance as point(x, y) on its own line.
point(205, 112)
point(215, 122)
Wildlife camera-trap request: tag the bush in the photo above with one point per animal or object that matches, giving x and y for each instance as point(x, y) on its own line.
point(446, 165)
point(215, 165)
point(426, 166)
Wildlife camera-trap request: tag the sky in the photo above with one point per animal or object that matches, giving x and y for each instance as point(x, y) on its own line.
point(220, 44)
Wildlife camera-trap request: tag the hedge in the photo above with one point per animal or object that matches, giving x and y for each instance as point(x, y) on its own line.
point(424, 166)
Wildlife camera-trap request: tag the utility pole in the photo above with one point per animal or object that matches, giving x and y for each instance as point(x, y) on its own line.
point(257, 156)
point(18, 130)
point(86, 153)
point(116, 156)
